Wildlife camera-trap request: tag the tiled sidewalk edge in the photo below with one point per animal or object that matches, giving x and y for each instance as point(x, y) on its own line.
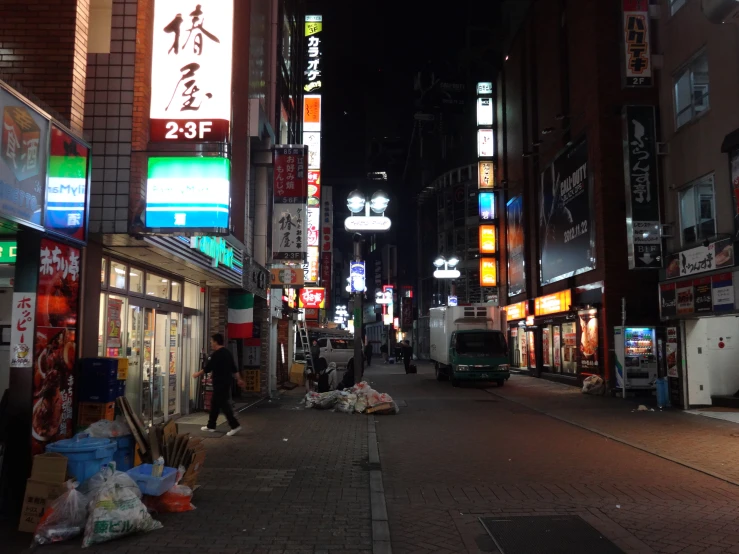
point(380, 525)
point(618, 439)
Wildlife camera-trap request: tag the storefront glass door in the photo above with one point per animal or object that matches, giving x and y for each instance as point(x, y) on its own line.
point(173, 364)
point(134, 341)
point(190, 361)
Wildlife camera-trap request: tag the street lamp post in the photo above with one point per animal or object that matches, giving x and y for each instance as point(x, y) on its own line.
point(448, 272)
point(357, 203)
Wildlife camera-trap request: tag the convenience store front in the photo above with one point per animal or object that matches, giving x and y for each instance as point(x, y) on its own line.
point(155, 316)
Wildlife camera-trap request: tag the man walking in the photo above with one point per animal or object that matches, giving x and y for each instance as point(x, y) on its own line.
point(223, 368)
point(368, 353)
point(407, 351)
point(383, 351)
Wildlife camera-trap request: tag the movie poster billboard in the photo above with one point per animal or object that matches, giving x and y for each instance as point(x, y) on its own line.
point(55, 350)
point(515, 246)
point(24, 138)
point(566, 232)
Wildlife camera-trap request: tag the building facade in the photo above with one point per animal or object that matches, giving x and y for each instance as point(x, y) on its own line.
point(143, 132)
point(572, 270)
point(698, 87)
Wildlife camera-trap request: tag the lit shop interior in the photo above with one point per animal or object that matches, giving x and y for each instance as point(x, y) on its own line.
point(155, 320)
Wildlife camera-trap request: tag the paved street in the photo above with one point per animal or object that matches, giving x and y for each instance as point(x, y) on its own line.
point(454, 455)
point(450, 457)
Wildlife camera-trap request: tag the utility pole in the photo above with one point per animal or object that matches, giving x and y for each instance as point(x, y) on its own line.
point(358, 315)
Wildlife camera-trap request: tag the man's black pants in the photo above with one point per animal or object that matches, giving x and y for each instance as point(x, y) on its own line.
point(221, 402)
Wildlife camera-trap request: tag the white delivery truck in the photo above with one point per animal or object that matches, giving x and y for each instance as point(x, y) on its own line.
point(465, 347)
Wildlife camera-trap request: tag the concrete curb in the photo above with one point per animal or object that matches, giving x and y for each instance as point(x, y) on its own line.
point(380, 524)
point(619, 440)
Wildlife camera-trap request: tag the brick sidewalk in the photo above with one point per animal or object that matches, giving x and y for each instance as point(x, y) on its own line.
point(706, 444)
point(261, 493)
point(453, 455)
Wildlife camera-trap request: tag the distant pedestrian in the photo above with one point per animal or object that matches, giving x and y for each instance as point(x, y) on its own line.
point(222, 367)
point(368, 353)
point(383, 351)
point(407, 351)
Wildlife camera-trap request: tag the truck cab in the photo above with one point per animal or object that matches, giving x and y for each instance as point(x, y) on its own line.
point(476, 355)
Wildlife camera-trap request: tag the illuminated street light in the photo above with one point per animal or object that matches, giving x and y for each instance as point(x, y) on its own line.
point(355, 202)
point(446, 273)
point(379, 202)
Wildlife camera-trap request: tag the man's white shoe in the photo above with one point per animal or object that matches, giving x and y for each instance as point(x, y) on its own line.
point(206, 428)
point(232, 432)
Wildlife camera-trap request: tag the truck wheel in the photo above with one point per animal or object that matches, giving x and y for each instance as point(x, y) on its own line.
point(455, 382)
point(501, 382)
point(439, 373)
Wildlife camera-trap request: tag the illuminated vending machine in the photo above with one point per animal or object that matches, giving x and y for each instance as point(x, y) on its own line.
point(636, 353)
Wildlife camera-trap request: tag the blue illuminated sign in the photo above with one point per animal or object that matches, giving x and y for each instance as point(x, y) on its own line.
point(356, 277)
point(486, 202)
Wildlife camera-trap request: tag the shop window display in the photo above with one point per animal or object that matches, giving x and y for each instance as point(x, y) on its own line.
point(136, 281)
point(569, 348)
point(117, 277)
point(157, 286)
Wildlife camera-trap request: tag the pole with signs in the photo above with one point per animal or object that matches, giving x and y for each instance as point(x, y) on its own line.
point(358, 354)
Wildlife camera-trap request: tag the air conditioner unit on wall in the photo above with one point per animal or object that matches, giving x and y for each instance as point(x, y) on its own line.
point(667, 231)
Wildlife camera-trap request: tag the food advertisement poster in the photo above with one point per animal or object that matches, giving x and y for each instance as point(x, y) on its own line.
point(546, 346)
point(671, 351)
point(589, 339)
point(700, 259)
point(23, 154)
point(557, 348)
point(566, 230)
point(115, 306)
point(55, 343)
point(21, 332)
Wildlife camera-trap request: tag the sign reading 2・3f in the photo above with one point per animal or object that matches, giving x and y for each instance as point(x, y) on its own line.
point(191, 71)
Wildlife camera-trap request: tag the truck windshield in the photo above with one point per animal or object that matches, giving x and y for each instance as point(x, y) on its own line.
point(489, 344)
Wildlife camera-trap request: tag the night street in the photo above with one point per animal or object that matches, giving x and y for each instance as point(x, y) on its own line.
point(298, 481)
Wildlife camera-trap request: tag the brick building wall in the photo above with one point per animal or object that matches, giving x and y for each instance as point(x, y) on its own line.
point(566, 61)
point(43, 48)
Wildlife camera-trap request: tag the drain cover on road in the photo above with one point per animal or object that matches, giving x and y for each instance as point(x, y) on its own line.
point(547, 535)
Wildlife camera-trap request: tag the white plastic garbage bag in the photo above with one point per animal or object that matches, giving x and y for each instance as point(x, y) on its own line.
point(116, 510)
point(64, 518)
point(594, 385)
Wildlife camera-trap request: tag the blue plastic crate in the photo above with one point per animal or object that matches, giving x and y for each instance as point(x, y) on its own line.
point(98, 380)
point(94, 394)
point(153, 486)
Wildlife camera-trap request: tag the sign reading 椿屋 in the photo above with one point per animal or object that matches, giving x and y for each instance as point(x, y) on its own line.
point(191, 71)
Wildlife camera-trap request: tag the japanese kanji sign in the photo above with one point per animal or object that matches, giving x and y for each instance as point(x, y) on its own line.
point(642, 193)
point(290, 173)
point(637, 48)
point(55, 343)
point(313, 53)
point(191, 70)
point(22, 322)
point(313, 298)
point(290, 217)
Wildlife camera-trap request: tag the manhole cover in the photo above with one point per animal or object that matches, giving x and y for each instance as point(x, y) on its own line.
point(550, 534)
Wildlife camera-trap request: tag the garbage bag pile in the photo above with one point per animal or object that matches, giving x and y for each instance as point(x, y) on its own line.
point(361, 398)
point(108, 506)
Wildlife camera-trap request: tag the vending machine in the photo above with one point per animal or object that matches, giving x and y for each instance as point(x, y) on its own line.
point(636, 354)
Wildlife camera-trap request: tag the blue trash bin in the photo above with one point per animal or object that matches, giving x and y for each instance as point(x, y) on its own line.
point(663, 392)
point(84, 455)
point(124, 455)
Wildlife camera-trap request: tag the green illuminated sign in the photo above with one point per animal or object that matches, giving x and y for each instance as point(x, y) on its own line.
point(8, 250)
point(215, 248)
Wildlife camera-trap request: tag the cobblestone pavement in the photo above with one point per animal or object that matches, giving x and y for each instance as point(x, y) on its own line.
point(453, 455)
point(294, 481)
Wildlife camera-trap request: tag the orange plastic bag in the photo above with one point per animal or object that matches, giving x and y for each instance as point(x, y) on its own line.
point(176, 499)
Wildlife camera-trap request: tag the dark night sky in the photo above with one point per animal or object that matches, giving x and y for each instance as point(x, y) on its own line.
point(372, 51)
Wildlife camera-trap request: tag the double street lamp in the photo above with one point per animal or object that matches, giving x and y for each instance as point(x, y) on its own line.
point(356, 223)
point(445, 270)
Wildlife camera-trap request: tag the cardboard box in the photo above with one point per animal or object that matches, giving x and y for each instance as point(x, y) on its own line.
point(47, 483)
point(297, 374)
